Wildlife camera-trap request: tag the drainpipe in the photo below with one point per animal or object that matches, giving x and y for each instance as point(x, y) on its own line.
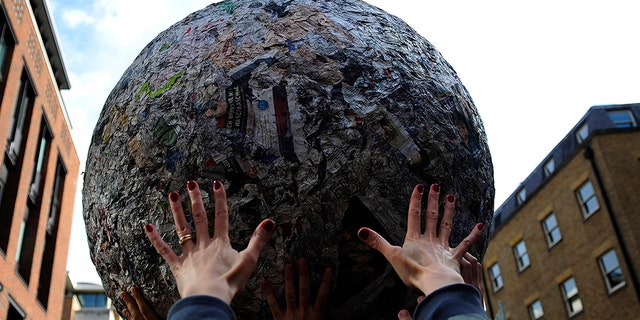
point(588, 154)
point(488, 298)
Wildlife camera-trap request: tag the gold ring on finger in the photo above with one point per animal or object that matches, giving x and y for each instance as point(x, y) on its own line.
point(186, 238)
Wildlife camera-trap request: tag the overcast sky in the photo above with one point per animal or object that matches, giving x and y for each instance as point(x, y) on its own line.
point(533, 70)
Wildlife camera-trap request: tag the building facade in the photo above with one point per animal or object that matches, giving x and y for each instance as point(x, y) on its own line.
point(39, 164)
point(565, 244)
point(87, 301)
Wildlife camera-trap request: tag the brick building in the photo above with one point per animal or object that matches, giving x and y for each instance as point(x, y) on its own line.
point(565, 244)
point(39, 164)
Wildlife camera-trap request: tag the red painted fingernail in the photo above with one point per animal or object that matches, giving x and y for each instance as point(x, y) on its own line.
point(148, 227)
point(435, 187)
point(363, 234)
point(269, 225)
point(174, 196)
point(191, 185)
point(480, 226)
point(450, 198)
point(420, 188)
point(216, 185)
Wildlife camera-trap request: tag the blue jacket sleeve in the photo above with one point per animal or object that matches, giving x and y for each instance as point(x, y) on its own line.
point(456, 301)
point(201, 307)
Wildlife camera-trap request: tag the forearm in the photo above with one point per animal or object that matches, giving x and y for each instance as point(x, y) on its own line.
point(450, 301)
point(201, 307)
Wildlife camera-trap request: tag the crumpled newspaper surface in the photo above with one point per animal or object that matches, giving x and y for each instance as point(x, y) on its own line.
point(321, 115)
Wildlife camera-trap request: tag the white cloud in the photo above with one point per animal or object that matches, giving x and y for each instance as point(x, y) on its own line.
point(74, 18)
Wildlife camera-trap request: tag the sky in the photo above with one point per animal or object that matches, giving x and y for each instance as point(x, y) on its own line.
point(533, 69)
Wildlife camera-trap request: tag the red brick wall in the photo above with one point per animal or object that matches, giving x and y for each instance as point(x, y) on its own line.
point(29, 55)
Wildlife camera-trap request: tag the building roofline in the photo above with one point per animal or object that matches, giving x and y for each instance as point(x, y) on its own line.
point(565, 150)
point(48, 32)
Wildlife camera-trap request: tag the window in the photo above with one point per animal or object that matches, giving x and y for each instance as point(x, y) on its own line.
point(12, 164)
point(521, 196)
point(29, 227)
point(15, 312)
point(535, 310)
point(41, 159)
point(496, 277)
point(571, 298)
point(549, 167)
point(587, 199)
point(583, 132)
point(93, 300)
point(7, 42)
point(622, 118)
point(522, 257)
point(21, 118)
point(551, 229)
point(51, 235)
point(611, 271)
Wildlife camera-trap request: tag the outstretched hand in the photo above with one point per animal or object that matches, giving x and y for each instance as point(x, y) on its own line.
point(425, 261)
point(137, 306)
point(303, 310)
point(209, 266)
point(471, 271)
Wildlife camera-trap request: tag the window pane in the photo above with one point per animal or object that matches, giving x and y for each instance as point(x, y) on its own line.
point(551, 229)
point(622, 118)
point(582, 133)
point(555, 236)
point(592, 205)
point(576, 304)
point(609, 261)
point(522, 195)
point(611, 270)
point(551, 222)
point(586, 191)
point(570, 293)
point(588, 200)
point(522, 257)
point(496, 277)
point(536, 311)
point(615, 278)
point(570, 288)
point(549, 167)
point(93, 300)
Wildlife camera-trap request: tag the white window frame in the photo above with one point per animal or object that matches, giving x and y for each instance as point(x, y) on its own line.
point(606, 273)
point(583, 132)
point(521, 196)
point(571, 297)
point(548, 232)
point(496, 279)
point(583, 201)
point(520, 256)
point(549, 167)
point(532, 313)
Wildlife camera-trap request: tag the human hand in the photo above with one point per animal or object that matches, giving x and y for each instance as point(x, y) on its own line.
point(471, 271)
point(137, 306)
point(209, 266)
point(303, 310)
point(425, 261)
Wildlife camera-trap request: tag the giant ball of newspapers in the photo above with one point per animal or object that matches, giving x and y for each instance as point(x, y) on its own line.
point(321, 115)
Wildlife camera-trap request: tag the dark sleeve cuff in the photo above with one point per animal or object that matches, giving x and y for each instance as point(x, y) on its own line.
point(201, 307)
point(449, 301)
